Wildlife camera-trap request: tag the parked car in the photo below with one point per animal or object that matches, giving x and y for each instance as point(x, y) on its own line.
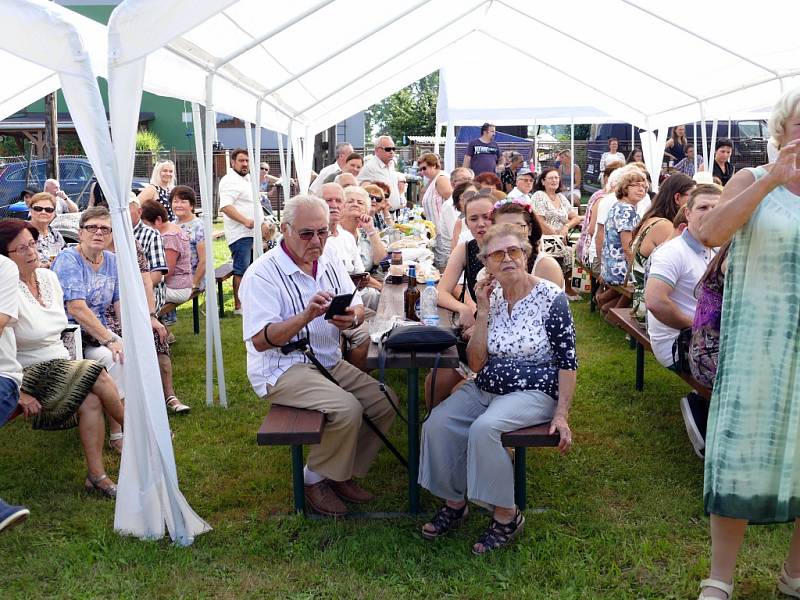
point(75, 176)
point(749, 142)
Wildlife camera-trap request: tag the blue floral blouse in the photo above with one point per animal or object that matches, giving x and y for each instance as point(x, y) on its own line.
point(194, 229)
point(613, 265)
point(79, 281)
point(529, 347)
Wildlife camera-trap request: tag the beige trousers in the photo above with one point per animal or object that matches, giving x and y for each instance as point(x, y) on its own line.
point(348, 446)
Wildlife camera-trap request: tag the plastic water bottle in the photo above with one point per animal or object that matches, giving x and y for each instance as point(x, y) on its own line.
point(429, 304)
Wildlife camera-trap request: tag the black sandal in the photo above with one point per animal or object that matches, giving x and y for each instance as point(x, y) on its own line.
point(445, 519)
point(500, 534)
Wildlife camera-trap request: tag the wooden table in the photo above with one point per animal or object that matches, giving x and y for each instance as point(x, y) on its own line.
point(391, 304)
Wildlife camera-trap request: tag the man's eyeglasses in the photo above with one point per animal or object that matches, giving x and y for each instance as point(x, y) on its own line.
point(23, 247)
point(388, 148)
point(101, 229)
point(47, 209)
point(307, 234)
point(514, 253)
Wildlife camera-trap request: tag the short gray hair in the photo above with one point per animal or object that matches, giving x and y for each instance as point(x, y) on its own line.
point(341, 146)
point(303, 200)
point(94, 212)
point(786, 107)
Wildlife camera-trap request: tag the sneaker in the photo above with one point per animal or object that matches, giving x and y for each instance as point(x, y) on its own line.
point(12, 515)
point(238, 311)
point(695, 416)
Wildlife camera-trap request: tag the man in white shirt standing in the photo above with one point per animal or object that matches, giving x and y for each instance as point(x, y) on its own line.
point(63, 203)
point(676, 267)
point(343, 150)
point(11, 374)
point(381, 168)
point(285, 296)
point(236, 206)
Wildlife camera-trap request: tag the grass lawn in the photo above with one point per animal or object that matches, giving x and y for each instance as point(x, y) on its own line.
point(625, 516)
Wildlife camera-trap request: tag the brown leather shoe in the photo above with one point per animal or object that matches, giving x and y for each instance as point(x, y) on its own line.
point(321, 499)
point(350, 491)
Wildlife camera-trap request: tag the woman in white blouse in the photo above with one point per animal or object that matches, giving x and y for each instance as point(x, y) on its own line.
point(67, 393)
point(523, 350)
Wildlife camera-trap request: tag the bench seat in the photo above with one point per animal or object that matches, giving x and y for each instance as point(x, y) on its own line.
point(537, 436)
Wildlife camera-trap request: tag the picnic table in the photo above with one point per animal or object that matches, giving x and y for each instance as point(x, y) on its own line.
point(391, 305)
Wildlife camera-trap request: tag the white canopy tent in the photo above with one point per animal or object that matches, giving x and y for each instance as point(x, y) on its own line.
point(148, 494)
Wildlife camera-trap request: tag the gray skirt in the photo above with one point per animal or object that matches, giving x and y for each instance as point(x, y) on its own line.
point(60, 386)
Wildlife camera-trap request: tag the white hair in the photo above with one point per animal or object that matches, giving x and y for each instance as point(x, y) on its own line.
point(341, 176)
point(155, 178)
point(786, 107)
point(361, 194)
point(303, 200)
point(341, 146)
point(613, 179)
point(334, 185)
point(51, 181)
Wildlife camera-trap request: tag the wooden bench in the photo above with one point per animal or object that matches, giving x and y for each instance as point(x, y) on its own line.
point(537, 436)
point(622, 318)
point(195, 298)
point(221, 273)
point(295, 427)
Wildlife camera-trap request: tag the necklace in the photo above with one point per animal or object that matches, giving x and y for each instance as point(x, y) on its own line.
point(97, 262)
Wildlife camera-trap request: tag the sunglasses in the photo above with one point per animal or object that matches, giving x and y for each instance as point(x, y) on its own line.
point(514, 253)
point(308, 234)
point(376, 198)
point(47, 209)
point(102, 229)
point(388, 148)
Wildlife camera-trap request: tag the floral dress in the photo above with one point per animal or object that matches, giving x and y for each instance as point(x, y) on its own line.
point(613, 264)
point(194, 229)
point(555, 217)
point(639, 270)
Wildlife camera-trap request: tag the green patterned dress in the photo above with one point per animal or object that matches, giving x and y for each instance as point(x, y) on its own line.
point(752, 467)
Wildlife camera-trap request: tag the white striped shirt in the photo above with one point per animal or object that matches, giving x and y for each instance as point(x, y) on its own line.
point(274, 289)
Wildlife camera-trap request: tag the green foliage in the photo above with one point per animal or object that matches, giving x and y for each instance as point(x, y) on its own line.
point(147, 141)
point(562, 132)
point(9, 147)
point(411, 111)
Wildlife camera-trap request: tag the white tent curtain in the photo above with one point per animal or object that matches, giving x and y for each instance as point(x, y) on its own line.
point(148, 498)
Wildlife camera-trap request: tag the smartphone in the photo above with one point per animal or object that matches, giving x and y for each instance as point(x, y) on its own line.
point(338, 305)
point(359, 279)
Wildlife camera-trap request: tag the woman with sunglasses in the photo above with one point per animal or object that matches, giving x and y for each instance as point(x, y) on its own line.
point(57, 392)
point(437, 191)
point(88, 276)
point(50, 242)
point(523, 350)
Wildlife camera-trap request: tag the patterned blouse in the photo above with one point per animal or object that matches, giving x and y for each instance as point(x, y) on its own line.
point(555, 216)
point(49, 245)
point(79, 281)
point(613, 264)
point(163, 198)
point(194, 229)
point(529, 347)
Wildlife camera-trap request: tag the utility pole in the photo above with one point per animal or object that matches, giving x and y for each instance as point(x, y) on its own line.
point(51, 135)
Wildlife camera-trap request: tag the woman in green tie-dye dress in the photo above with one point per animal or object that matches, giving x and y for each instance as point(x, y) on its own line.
point(752, 464)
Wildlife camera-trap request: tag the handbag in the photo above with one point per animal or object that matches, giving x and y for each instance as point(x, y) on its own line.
point(415, 338)
point(680, 351)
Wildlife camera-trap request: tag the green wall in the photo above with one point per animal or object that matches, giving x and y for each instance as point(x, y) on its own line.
point(167, 124)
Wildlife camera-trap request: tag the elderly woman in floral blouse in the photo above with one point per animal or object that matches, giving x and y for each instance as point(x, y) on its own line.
point(523, 349)
point(50, 242)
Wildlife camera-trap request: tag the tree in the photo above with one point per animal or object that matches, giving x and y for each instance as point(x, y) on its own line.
point(411, 111)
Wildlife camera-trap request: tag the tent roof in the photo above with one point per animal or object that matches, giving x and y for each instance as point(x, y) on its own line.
point(573, 61)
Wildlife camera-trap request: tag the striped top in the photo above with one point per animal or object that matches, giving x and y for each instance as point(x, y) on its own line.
point(274, 289)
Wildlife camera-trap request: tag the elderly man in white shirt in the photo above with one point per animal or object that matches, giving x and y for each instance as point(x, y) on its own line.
point(63, 203)
point(285, 295)
point(524, 187)
point(381, 168)
point(343, 150)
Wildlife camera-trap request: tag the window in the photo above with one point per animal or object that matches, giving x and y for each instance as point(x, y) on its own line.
point(749, 129)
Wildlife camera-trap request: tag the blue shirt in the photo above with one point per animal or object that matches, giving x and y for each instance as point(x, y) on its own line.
point(80, 282)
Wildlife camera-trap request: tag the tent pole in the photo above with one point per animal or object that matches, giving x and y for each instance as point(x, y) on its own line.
point(259, 212)
point(437, 138)
point(535, 157)
point(254, 184)
point(703, 136)
point(283, 169)
point(288, 181)
point(571, 157)
point(712, 145)
point(633, 137)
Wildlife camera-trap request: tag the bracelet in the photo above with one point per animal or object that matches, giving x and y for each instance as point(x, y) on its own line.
point(154, 314)
point(109, 341)
point(266, 338)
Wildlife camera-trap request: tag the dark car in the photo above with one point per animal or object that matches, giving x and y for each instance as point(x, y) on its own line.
point(749, 142)
point(75, 177)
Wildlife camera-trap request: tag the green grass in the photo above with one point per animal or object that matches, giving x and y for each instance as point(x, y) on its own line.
point(625, 516)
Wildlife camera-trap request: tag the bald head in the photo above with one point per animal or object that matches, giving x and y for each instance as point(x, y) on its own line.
point(345, 180)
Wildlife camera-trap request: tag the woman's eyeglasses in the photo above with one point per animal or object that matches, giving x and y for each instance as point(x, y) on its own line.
point(513, 252)
point(102, 229)
point(376, 198)
point(47, 209)
point(23, 247)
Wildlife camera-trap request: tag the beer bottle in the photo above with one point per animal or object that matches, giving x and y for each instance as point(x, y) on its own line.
point(411, 295)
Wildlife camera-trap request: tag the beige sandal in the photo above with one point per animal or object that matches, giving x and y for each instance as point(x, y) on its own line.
point(788, 585)
point(715, 583)
point(177, 406)
point(116, 437)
